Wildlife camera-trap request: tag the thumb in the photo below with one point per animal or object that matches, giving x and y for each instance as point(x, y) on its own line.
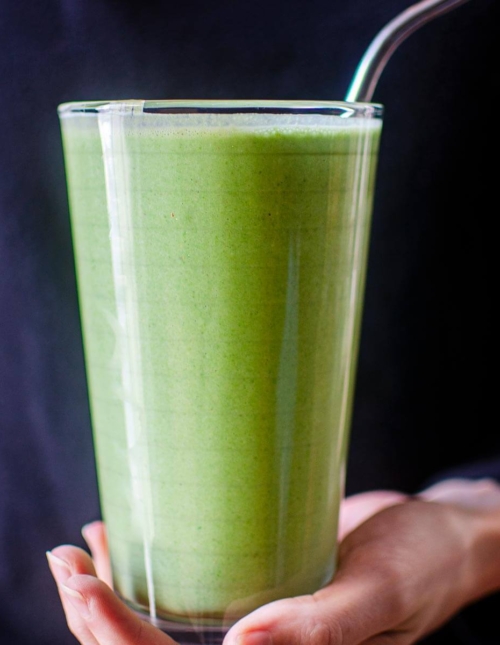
point(346, 612)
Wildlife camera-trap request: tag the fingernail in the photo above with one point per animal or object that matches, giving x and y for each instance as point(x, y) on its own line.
point(84, 531)
point(86, 528)
point(255, 638)
point(77, 600)
point(60, 569)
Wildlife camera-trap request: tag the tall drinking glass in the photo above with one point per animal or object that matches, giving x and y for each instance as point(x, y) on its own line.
point(220, 253)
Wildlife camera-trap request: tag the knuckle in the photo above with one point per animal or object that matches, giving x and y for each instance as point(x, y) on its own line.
point(321, 633)
point(74, 628)
point(392, 587)
point(397, 598)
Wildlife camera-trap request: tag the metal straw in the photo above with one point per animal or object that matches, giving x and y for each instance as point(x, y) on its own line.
point(388, 40)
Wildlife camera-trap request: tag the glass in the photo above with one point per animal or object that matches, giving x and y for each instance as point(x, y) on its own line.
point(220, 252)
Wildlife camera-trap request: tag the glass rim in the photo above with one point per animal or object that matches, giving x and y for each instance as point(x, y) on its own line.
point(341, 109)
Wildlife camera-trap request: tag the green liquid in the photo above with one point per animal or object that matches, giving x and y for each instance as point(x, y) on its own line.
point(220, 278)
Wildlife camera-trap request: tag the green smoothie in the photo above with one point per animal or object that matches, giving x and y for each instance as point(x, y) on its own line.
point(220, 262)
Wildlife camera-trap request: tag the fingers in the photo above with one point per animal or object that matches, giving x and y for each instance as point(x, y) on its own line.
point(64, 561)
point(358, 508)
point(94, 613)
point(96, 538)
point(343, 613)
point(481, 494)
point(107, 618)
point(293, 621)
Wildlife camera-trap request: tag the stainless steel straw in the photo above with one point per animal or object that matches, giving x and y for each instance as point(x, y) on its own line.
point(388, 40)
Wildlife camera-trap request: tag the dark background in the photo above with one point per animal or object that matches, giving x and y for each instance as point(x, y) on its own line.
point(425, 393)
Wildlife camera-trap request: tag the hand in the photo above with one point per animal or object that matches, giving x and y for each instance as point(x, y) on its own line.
point(405, 567)
point(476, 495)
point(94, 613)
point(97, 617)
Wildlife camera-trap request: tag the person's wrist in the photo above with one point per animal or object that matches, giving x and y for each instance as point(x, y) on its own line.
point(484, 554)
point(460, 576)
point(475, 507)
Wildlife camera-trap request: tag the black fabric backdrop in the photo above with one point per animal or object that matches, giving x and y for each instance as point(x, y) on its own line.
point(425, 393)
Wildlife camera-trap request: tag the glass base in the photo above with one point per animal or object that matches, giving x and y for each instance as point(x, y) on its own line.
point(186, 634)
